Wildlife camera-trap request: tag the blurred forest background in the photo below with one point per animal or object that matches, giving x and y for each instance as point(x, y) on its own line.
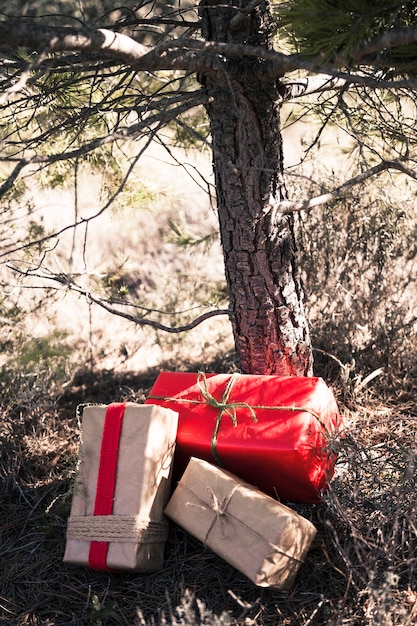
point(157, 247)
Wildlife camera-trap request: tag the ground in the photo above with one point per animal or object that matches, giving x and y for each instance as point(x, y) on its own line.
point(359, 570)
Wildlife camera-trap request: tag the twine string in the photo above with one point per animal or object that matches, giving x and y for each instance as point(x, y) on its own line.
point(222, 516)
point(116, 528)
point(219, 509)
point(224, 407)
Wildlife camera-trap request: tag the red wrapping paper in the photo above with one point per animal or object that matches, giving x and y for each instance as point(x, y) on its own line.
point(274, 432)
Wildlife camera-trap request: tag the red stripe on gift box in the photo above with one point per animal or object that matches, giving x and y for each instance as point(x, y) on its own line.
point(97, 557)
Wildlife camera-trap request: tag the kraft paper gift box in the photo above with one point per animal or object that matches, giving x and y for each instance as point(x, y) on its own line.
point(259, 536)
point(274, 432)
point(116, 520)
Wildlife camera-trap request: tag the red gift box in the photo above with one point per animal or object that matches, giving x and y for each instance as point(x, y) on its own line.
point(274, 432)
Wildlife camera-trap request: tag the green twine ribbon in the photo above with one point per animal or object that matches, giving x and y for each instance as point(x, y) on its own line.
point(224, 407)
point(230, 408)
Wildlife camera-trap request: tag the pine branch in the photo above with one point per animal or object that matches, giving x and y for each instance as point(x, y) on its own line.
point(341, 192)
point(67, 39)
point(122, 133)
point(180, 54)
point(310, 85)
point(141, 321)
point(23, 80)
point(190, 55)
point(388, 40)
point(108, 305)
point(237, 20)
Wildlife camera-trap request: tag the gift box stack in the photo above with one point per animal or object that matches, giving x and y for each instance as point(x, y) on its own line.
point(215, 453)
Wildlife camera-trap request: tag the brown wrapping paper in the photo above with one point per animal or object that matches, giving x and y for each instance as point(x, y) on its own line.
point(258, 535)
point(136, 531)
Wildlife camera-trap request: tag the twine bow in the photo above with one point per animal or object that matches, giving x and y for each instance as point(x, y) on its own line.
point(224, 407)
point(219, 509)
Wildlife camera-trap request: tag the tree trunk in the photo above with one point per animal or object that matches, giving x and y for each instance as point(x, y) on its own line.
point(269, 325)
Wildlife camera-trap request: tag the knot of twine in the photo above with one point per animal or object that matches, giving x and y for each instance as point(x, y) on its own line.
point(116, 528)
point(219, 509)
point(222, 516)
point(224, 407)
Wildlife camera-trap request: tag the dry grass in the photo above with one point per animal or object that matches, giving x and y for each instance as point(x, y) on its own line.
point(361, 568)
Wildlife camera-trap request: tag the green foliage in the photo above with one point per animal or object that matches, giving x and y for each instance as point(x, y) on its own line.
point(333, 30)
point(45, 351)
point(100, 611)
point(181, 235)
point(192, 129)
point(11, 316)
point(19, 350)
point(134, 194)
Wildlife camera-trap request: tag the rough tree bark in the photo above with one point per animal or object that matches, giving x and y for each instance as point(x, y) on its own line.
point(270, 329)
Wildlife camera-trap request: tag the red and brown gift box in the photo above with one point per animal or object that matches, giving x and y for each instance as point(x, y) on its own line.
point(274, 432)
point(259, 536)
point(116, 520)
